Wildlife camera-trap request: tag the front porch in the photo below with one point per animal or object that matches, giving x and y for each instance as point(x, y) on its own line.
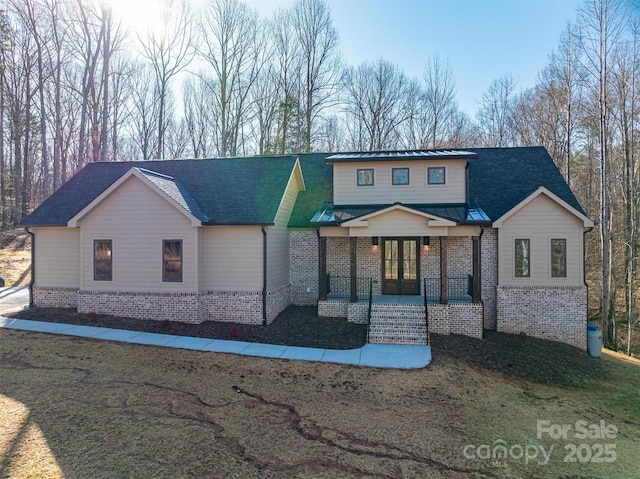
point(403, 287)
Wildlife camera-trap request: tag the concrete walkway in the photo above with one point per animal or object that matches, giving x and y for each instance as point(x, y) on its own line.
point(13, 299)
point(374, 355)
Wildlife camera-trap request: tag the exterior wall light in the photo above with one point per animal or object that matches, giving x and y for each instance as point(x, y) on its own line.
point(374, 242)
point(426, 241)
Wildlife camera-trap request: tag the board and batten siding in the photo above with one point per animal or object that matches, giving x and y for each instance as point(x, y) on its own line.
point(232, 259)
point(137, 220)
point(278, 238)
point(398, 223)
point(57, 257)
point(540, 221)
point(346, 191)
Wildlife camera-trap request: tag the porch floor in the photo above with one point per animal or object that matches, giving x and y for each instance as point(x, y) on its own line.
point(399, 299)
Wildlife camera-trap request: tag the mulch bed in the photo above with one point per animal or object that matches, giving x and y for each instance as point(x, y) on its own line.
point(296, 326)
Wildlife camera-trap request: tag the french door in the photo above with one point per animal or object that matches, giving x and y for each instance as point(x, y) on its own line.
point(400, 266)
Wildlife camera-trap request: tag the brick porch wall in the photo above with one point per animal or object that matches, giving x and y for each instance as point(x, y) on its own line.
point(555, 313)
point(489, 275)
point(303, 267)
point(465, 319)
point(55, 297)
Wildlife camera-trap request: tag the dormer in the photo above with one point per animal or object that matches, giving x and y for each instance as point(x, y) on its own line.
point(408, 177)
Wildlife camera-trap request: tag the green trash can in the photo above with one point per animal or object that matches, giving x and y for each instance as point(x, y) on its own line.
point(594, 341)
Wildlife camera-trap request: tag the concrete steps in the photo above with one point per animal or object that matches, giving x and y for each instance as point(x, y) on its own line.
point(397, 324)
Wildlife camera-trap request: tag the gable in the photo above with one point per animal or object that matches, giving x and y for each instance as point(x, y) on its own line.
point(543, 207)
point(163, 186)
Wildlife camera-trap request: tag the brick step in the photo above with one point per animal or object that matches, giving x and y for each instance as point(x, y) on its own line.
point(378, 339)
point(399, 331)
point(410, 308)
point(398, 319)
point(394, 325)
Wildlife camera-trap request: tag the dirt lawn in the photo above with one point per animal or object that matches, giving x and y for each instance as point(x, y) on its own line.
point(82, 408)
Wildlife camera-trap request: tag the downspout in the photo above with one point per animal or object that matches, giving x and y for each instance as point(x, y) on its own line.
point(264, 276)
point(584, 257)
point(33, 265)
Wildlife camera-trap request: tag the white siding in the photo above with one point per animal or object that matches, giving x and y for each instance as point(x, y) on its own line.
point(540, 221)
point(137, 219)
point(346, 192)
point(278, 239)
point(232, 258)
point(57, 257)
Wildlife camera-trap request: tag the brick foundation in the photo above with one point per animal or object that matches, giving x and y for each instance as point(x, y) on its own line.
point(182, 307)
point(553, 313)
point(236, 307)
point(55, 297)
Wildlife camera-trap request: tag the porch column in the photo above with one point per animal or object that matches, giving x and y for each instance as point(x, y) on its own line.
point(443, 270)
point(354, 269)
point(477, 266)
point(322, 269)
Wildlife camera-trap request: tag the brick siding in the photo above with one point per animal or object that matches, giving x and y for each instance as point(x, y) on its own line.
point(489, 268)
point(554, 313)
point(303, 267)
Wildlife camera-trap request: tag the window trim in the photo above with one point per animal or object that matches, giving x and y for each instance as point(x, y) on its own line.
point(564, 267)
point(527, 257)
point(95, 245)
point(364, 185)
point(166, 261)
point(393, 169)
point(444, 175)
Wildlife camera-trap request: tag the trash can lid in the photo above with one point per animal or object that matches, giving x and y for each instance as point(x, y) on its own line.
point(592, 327)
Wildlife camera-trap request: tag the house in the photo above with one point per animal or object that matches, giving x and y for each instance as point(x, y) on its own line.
point(467, 240)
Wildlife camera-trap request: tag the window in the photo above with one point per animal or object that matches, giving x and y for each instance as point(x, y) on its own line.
point(558, 258)
point(435, 175)
point(172, 261)
point(399, 176)
point(102, 260)
point(523, 258)
point(365, 177)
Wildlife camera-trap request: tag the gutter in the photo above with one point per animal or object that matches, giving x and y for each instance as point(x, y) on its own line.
point(264, 275)
point(33, 265)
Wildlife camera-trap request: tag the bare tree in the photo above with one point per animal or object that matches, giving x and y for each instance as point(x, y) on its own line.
point(602, 24)
point(375, 99)
point(318, 41)
point(494, 114)
point(169, 51)
point(439, 98)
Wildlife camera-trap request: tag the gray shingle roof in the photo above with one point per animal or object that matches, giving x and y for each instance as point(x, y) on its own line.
point(249, 190)
point(225, 191)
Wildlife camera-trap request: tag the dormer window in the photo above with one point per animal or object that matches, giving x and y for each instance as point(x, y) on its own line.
point(399, 176)
point(436, 175)
point(364, 176)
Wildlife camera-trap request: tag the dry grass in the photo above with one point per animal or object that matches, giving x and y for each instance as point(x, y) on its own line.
point(81, 408)
point(15, 257)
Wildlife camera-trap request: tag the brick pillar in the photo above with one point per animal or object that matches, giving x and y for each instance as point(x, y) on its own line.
point(477, 268)
point(443, 270)
point(354, 269)
point(322, 269)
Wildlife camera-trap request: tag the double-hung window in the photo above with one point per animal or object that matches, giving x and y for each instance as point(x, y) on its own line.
point(523, 258)
point(558, 258)
point(172, 261)
point(102, 260)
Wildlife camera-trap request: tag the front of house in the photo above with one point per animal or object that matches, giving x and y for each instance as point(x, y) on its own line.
point(465, 240)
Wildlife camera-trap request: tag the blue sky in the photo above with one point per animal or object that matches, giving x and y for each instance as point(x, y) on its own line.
point(481, 39)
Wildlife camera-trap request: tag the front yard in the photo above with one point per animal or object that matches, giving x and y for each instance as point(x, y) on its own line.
point(81, 408)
